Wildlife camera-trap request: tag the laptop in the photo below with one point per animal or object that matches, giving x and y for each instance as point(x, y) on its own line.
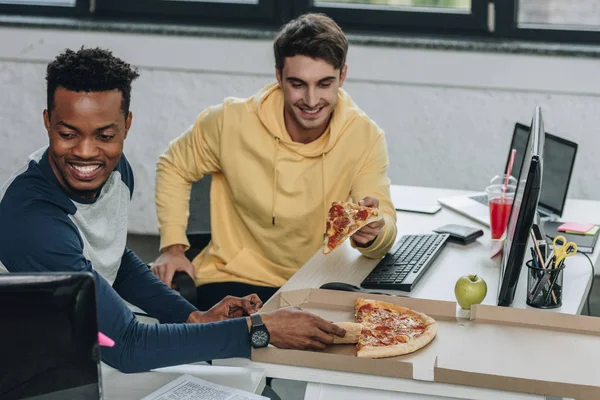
point(559, 160)
point(49, 337)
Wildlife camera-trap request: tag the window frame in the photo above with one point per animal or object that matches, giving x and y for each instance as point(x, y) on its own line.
point(368, 19)
point(80, 9)
point(507, 26)
point(402, 19)
point(194, 12)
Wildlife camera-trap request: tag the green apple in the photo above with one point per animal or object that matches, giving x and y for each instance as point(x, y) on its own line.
point(469, 290)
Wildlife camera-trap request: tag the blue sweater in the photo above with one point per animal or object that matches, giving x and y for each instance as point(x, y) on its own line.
point(43, 229)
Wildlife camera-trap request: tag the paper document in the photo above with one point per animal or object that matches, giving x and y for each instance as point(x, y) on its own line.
point(188, 387)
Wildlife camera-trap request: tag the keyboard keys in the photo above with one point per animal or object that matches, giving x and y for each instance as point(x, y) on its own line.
point(412, 256)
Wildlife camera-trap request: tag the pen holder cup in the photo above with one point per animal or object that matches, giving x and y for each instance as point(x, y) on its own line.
point(544, 286)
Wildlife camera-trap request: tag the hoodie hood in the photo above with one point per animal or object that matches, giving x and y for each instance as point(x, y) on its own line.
point(270, 98)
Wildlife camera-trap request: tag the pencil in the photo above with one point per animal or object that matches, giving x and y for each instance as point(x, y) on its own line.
point(542, 261)
point(537, 249)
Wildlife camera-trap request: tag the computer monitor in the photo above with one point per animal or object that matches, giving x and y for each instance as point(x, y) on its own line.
point(559, 160)
point(523, 212)
point(49, 336)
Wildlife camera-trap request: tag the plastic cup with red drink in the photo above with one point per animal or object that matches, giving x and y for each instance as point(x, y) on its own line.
point(501, 195)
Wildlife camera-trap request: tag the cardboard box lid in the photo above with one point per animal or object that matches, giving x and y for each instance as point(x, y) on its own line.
point(501, 348)
point(338, 306)
point(527, 351)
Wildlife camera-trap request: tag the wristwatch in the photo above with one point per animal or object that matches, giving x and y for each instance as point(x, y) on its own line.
point(259, 334)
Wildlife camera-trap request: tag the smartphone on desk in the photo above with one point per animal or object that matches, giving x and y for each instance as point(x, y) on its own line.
point(422, 209)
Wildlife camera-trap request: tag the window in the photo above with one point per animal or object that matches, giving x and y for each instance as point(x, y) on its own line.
point(45, 7)
point(581, 13)
point(210, 12)
point(67, 3)
point(428, 16)
point(550, 20)
point(545, 20)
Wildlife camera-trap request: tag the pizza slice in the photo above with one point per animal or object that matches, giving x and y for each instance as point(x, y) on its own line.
point(344, 220)
point(387, 330)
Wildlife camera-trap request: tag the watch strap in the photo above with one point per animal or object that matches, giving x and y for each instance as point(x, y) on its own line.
point(256, 320)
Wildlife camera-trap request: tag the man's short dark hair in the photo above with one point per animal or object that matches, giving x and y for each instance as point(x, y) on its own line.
point(313, 35)
point(90, 70)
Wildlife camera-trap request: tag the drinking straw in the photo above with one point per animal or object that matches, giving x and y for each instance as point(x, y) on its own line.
point(513, 153)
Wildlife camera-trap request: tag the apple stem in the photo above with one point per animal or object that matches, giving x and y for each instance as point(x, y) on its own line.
point(474, 278)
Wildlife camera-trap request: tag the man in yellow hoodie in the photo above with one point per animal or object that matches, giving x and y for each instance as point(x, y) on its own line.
point(278, 160)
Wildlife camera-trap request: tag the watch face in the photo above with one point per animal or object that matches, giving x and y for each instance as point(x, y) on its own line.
point(260, 338)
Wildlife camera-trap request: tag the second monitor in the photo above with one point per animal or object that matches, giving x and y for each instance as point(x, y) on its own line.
point(523, 211)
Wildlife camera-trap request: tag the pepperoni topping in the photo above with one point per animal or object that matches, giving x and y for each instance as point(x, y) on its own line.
point(365, 308)
point(328, 227)
point(332, 241)
point(340, 223)
point(383, 328)
point(367, 332)
point(336, 211)
point(362, 215)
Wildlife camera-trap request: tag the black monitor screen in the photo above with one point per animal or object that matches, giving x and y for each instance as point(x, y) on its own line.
point(48, 340)
point(559, 159)
point(522, 213)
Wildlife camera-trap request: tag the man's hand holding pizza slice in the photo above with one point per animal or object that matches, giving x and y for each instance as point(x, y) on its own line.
point(368, 233)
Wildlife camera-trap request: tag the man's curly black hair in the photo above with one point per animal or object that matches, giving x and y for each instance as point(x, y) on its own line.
point(90, 70)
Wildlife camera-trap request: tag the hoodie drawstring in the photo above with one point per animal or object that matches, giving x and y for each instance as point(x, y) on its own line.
point(273, 201)
point(324, 201)
point(274, 180)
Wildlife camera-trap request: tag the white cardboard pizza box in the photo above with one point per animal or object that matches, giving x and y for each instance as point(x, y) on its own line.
point(526, 351)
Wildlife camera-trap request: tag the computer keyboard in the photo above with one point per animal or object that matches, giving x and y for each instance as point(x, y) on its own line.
point(481, 198)
point(406, 263)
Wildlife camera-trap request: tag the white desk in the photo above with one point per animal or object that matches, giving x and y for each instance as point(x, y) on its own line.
point(347, 265)
point(120, 386)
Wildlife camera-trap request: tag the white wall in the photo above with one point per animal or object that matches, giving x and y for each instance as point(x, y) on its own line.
point(448, 115)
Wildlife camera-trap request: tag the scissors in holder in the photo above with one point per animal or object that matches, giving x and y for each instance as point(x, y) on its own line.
point(563, 250)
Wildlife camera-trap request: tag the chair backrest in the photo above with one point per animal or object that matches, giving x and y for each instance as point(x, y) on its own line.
point(199, 220)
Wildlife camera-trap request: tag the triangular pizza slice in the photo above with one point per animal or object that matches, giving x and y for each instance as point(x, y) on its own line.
point(344, 220)
point(386, 330)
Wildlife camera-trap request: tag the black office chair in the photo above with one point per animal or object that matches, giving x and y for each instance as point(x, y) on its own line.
point(198, 234)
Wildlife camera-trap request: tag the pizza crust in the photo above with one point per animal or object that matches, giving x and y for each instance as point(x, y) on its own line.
point(353, 330)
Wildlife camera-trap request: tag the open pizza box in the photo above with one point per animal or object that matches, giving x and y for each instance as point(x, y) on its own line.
point(527, 351)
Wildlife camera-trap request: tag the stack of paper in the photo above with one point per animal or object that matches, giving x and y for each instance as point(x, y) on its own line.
point(579, 229)
point(188, 387)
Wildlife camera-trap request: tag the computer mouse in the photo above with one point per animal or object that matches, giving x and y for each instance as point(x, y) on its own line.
point(342, 286)
point(346, 287)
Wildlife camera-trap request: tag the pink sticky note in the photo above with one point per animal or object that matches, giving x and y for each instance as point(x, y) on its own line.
point(575, 227)
point(104, 340)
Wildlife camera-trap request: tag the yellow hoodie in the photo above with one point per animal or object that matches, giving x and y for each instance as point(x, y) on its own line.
point(269, 195)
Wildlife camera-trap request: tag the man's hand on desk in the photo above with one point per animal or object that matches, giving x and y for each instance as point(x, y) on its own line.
point(171, 260)
point(367, 235)
point(291, 328)
point(229, 307)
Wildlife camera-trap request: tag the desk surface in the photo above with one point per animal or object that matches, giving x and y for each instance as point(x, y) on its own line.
point(346, 264)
